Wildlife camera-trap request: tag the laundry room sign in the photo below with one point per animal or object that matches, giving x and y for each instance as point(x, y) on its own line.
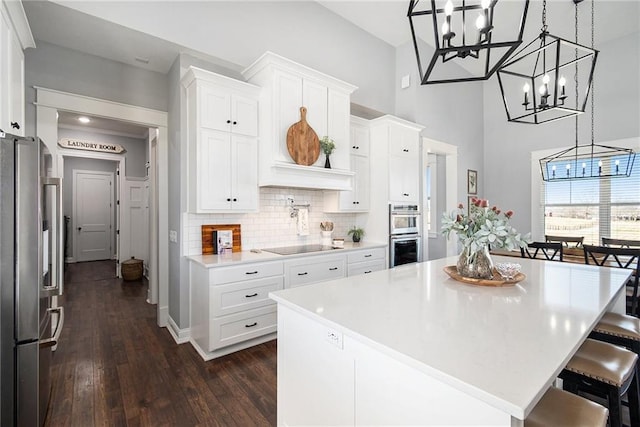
point(77, 144)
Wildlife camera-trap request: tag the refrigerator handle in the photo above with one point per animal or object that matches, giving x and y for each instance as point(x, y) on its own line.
point(53, 341)
point(57, 275)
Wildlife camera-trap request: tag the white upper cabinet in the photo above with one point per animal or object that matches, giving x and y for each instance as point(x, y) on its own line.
point(356, 199)
point(222, 129)
point(15, 36)
point(286, 87)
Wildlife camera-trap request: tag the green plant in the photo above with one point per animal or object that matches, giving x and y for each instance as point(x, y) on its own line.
point(483, 226)
point(356, 233)
point(327, 145)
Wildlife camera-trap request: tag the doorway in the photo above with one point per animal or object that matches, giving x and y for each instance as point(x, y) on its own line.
point(93, 215)
point(49, 102)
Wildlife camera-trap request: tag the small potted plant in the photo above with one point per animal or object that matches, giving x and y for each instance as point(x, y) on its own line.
point(356, 233)
point(327, 146)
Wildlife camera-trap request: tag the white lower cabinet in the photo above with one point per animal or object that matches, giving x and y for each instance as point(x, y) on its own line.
point(366, 261)
point(312, 269)
point(230, 306)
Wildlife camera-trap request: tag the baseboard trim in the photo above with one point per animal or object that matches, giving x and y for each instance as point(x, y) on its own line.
point(210, 355)
point(163, 316)
point(69, 260)
point(180, 336)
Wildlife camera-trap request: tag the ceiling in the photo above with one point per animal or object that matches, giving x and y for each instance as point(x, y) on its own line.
point(386, 19)
point(69, 120)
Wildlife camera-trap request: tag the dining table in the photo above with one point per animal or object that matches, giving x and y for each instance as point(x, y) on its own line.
point(413, 346)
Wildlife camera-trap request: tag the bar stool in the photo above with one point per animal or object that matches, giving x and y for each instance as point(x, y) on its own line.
point(560, 408)
point(605, 370)
point(619, 329)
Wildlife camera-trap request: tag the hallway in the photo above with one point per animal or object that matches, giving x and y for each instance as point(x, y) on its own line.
point(114, 366)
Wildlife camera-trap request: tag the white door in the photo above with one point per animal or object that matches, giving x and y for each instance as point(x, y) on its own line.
point(93, 198)
point(135, 219)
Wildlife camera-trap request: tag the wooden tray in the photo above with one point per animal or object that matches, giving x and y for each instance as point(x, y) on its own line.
point(207, 237)
point(302, 141)
point(452, 271)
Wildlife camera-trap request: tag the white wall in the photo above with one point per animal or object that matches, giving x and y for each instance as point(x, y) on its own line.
point(302, 31)
point(508, 146)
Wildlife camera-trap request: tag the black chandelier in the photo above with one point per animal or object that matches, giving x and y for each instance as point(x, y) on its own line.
point(534, 82)
point(478, 29)
point(588, 161)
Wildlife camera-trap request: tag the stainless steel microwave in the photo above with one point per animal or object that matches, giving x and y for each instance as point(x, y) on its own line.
point(404, 219)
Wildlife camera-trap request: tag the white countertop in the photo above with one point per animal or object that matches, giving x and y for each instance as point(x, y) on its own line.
point(502, 345)
point(210, 261)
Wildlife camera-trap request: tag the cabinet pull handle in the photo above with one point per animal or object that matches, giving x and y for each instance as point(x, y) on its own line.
point(228, 121)
point(367, 255)
point(353, 203)
point(15, 125)
point(251, 296)
point(405, 194)
point(405, 150)
point(333, 268)
point(367, 272)
point(228, 199)
point(303, 274)
point(251, 272)
point(354, 147)
point(235, 123)
point(251, 325)
point(235, 200)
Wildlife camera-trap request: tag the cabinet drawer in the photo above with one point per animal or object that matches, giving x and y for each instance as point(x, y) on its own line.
point(366, 255)
point(218, 276)
point(366, 267)
point(242, 326)
point(241, 296)
point(311, 272)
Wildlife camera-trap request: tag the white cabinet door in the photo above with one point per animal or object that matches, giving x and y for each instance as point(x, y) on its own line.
point(5, 37)
point(404, 179)
point(403, 142)
point(214, 170)
point(244, 115)
point(359, 140)
point(16, 86)
point(357, 199)
point(244, 184)
point(214, 107)
point(339, 127)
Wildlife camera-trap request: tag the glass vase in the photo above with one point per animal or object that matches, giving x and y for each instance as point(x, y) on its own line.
point(477, 265)
point(327, 163)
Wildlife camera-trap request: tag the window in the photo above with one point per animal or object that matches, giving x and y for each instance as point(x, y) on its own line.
point(594, 208)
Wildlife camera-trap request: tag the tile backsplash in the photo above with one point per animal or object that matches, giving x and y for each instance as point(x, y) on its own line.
point(273, 225)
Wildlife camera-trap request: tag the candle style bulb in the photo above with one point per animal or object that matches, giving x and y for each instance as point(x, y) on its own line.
point(584, 166)
point(526, 88)
point(448, 8)
point(562, 82)
point(599, 167)
point(568, 169)
point(480, 22)
point(617, 166)
point(545, 79)
point(553, 171)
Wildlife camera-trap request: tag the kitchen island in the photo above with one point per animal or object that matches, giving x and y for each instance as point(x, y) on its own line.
point(410, 345)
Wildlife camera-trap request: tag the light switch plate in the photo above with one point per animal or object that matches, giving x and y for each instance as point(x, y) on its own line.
point(173, 236)
point(406, 81)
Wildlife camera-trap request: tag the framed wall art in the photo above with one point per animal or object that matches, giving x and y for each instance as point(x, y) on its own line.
point(472, 181)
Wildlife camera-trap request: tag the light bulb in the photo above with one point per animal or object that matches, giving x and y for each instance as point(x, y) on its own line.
point(485, 4)
point(83, 119)
point(445, 28)
point(617, 162)
point(526, 87)
point(553, 167)
point(584, 165)
point(480, 22)
point(599, 163)
point(541, 90)
point(448, 8)
point(545, 78)
point(568, 166)
point(562, 81)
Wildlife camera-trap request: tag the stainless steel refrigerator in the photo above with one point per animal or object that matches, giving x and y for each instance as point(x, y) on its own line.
point(31, 277)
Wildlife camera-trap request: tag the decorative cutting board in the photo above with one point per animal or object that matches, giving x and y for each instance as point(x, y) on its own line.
point(302, 141)
point(207, 237)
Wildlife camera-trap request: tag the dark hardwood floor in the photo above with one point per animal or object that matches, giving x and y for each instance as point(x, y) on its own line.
point(114, 366)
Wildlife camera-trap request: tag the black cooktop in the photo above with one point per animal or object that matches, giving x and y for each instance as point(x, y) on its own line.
point(301, 249)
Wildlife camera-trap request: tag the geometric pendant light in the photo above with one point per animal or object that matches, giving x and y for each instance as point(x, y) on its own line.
point(588, 161)
point(536, 80)
point(464, 40)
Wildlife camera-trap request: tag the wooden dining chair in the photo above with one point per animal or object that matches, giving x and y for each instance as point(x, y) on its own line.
point(620, 243)
point(565, 240)
point(542, 250)
point(622, 258)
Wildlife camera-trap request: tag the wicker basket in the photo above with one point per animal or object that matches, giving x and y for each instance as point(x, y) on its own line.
point(131, 269)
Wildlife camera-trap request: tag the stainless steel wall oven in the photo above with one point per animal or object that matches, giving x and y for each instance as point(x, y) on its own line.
point(405, 241)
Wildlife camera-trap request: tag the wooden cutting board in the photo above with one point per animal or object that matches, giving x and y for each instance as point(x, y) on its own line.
point(302, 141)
